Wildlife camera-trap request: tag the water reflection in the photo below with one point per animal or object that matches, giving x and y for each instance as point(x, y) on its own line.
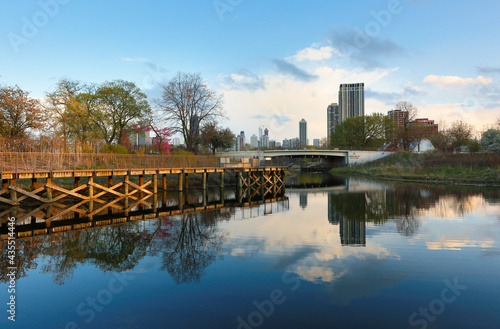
point(359, 247)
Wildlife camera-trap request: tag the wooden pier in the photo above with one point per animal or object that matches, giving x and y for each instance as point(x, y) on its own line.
point(49, 188)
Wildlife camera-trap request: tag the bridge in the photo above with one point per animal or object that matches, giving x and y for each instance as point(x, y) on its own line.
point(329, 157)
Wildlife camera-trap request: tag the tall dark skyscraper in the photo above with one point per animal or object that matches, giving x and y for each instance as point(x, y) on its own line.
point(303, 132)
point(352, 100)
point(333, 118)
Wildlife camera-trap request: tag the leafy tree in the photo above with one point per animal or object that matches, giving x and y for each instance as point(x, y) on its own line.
point(460, 133)
point(214, 137)
point(361, 132)
point(188, 104)
point(490, 140)
point(19, 113)
point(115, 107)
point(70, 119)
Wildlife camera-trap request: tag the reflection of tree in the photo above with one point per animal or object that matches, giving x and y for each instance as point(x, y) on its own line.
point(193, 246)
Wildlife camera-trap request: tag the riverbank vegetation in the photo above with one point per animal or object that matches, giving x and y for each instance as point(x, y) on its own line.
point(460, 168)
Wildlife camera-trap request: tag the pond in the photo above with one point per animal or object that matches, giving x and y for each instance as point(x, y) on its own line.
point(356, 254)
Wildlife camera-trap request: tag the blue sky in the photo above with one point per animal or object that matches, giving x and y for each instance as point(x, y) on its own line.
point(275, 61)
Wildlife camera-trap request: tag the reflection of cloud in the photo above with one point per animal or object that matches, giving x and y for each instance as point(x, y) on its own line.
point(295, 257)
point(459, 244)
point(318, 273)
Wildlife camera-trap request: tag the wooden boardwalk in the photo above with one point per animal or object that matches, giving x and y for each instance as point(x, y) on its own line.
point(48, 189)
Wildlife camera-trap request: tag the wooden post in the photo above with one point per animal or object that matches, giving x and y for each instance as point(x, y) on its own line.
point(34, 183)
point(91, 188)
point(125, 183)
point(179, 185)
point(155, 183)
point(5, 184)
point(221, 195)
point(110, 181)
point(13, 193)
point(186, 181)
point(222, 179)
point(141, 182)
point(205, 177)
point(48, 189)
point(239, 180)
point(165, 181)
point(205, 197)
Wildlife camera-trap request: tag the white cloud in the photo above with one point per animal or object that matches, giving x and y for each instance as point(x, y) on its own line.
point(135, 59)
point(315, 54)
point(443, 81)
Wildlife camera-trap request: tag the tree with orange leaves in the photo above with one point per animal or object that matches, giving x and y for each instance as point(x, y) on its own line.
point(19, 113)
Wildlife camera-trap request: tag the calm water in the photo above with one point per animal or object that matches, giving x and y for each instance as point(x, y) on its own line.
point(359, 254)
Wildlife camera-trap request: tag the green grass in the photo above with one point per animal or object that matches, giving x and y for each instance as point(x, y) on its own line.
point(432, 167)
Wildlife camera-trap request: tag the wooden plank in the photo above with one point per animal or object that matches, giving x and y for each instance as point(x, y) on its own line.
point(141, 188)
point(32, 212)
point(143, 200)
point(67, 210)
point(30, 194)
point(109, 190)
point(12, 203)
point(59, 197)
point(107, 205)
point(60, 189)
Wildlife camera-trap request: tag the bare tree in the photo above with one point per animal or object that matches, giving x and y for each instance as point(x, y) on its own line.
point(460, 133)
point(187, 104)
point(405, 132)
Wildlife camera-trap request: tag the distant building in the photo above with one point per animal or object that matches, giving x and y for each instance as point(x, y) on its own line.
point(333, 118)
point(240, 141)
point(272, 143)
point(295, 143)
point(424, 128)
point(286, 143)
point(264, 142)
point(176, 141)
point(316, 142)
point(254, 142)
point(303, 132)
point(352, 100)
point(398, 116)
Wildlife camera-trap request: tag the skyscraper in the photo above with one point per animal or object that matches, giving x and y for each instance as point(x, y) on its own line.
point(240, 141)
point(254, 143)
point(333, 118)
point(352, 100)
point(303, 132)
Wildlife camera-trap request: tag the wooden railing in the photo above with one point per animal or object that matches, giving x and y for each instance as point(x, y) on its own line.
point(38, 161)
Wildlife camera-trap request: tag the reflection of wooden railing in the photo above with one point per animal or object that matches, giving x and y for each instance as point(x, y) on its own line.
point(35, 222)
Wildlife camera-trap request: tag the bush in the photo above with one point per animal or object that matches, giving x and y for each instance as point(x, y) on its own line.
point(180, 151)
point(116, 149)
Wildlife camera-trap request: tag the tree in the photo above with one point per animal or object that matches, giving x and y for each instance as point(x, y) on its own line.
point(361, 132)
point(70, 111)
point(490, 140)
point(214, 137)
point(405, 131)
point(187, 104)
point(441, 141)
point(19, 113)
point(460, 133)
point(116, 107)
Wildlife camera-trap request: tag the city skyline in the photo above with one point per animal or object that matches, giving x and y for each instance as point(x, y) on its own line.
point(268, 79)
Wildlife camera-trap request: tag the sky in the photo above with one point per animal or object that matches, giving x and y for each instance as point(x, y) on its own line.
point(275, 62)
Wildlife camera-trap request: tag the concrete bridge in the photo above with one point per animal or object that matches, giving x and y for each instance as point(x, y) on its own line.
point(329, 157)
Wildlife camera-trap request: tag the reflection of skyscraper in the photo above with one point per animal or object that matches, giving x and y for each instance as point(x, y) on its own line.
point(333, 217)
point(352, 233)
point(303, 200)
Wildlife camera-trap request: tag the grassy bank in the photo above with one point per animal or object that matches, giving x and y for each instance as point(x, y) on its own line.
point(467, 169)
